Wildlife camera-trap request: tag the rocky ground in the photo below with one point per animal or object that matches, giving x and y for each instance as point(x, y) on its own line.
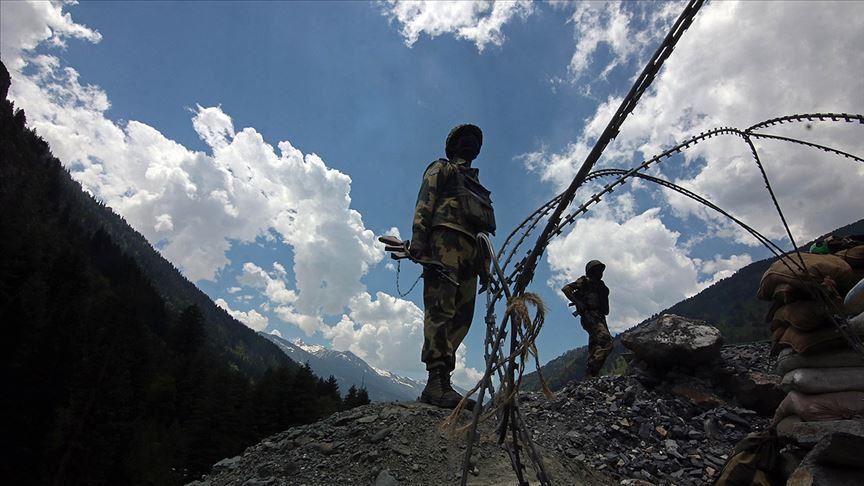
point(613, 425)
point(383, 444)
point(678, 428)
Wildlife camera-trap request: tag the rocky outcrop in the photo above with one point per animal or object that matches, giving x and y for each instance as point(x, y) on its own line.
point(381, 444)
point(674, 341)
point(608, 430)
point(657, 424)
point(685, 356)
point(756, 390)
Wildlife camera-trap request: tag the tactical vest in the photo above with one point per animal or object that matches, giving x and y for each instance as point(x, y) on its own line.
point(594, 294)
point(473, 200)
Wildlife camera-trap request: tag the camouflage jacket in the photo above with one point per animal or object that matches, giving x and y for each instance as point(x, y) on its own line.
point(592, 295)
point(436, 207)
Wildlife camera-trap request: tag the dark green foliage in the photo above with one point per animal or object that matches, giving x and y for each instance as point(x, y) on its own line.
point(362, 397)
point(731, 304)
point(356, 398)
point(116, 370)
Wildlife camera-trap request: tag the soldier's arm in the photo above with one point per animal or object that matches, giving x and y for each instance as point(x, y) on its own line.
point(423, 211)
point(570, 292)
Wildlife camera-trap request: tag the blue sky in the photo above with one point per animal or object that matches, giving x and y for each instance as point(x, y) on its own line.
point(177, 112)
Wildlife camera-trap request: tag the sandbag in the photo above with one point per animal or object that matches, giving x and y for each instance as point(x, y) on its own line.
point(825, 406)
point(854, 256)
point(786, 294)
point(754, 462)
point(854, 301)
point(819, 268)
point(816, 341)
point(824, 380)
point(805, 315)
point(789, 360)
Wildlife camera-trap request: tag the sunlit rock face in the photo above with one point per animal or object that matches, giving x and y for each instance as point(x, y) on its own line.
point(672, 340)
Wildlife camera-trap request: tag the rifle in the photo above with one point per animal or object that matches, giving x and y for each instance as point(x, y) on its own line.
point(580, 307)
point(401, 250)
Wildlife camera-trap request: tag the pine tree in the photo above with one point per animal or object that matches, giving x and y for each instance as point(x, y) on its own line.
point(363, 397)
point(350, 400)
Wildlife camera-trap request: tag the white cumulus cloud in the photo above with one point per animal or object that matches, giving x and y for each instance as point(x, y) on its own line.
point(252, 318)
point(464, 375)
point(479, 22)
point(609, 24)
point(385, 331)
point(738, 64)
point(197, 204)
point(274, 286)
point(25, 25)
point(646, 268)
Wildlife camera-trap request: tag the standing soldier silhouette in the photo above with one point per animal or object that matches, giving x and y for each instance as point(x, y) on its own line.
point(452, 209)
point(590, 296)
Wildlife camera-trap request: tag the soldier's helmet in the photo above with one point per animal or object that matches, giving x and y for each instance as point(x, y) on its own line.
point(464, 140)
point(594, 264)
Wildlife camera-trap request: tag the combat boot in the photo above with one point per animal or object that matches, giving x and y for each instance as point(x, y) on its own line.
point(440, 393)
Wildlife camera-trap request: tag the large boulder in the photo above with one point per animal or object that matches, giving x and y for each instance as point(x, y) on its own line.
point(755, 390)
point(674, 341)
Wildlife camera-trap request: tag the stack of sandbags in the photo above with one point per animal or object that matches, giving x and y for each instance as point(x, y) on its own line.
point(820, 424)
point(800, 322)
point(823, 375)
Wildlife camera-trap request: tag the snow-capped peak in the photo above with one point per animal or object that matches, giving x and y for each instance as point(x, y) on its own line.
point(402, 380)
point(381, 372)
point(313, 349)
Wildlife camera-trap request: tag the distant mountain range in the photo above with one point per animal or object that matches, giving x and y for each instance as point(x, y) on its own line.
point(349, 369)
point(730, 305)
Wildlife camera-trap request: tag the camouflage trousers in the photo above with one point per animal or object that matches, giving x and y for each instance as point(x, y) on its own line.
point(599, 341)
point(449, 309)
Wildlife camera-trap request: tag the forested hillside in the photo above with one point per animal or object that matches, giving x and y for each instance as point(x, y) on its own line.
point(731, 304)
point(116, 369)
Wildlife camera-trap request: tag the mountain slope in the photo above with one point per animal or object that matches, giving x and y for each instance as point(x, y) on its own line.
point(108, 379)
point(730, 305)
point(226, 336)
point(350, 370)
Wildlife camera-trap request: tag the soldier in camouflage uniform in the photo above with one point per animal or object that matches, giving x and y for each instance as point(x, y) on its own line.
point(590, 296)
point(452, 208)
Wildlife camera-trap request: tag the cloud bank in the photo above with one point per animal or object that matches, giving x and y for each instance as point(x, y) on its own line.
point(195, 205)
point(474, 21)
point(738, 64)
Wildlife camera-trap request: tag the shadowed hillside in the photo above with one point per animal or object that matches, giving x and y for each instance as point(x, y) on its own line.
point(116, 369)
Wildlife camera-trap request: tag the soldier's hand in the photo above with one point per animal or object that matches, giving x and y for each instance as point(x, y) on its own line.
point(419, 253)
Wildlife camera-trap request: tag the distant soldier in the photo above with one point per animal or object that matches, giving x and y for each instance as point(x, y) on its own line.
point(590, 296)
point(452, 209)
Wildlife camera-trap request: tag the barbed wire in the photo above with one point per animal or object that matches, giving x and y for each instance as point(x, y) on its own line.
point(509, 415)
